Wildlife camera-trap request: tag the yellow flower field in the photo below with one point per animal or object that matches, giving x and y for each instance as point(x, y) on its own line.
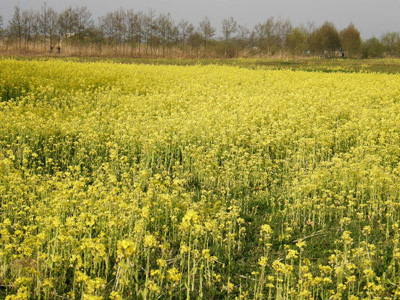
point(197, 182)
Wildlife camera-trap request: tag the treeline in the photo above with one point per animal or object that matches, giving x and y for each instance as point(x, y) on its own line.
point(140, 34)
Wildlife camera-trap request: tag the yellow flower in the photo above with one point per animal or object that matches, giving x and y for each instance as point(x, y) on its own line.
point(301, 244)
point(292, 254)
point(153, 287)
point(161, 263)
point(266, 229)
point(174, 275)
point(115, 296)
point(263, 261)
point(125, 249)
point(367, 230)
point(150, 241)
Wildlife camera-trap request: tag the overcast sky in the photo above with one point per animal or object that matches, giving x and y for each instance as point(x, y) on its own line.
point(371, 17)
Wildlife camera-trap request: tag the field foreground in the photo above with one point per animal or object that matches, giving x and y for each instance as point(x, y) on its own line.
point(214, 182)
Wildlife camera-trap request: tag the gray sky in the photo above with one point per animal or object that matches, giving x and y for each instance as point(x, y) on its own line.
point(371, 17)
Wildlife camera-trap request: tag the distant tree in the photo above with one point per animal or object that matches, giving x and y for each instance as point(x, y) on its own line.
point(74, 24)
point(173, 39)
point(44, 23)
point(1, 27)
point(282, 29)
point(263, 35)
point(68, 24)
point(270, 29)
point(119, 22)
point(391, 43)
point(106, 27)
point(84, 22)
point(99, 33)
point(313, 43)
point(53, 19)
point(207, 31)
point(296, 41)
point(229, 26)
point(372, 48)
point(325, 38)
point(166, 30)
point(114, 26)
point(15, 26)
point(309, 27)
point(48, 21)
point(133, 29)
point(135, 24)
point(30, 24)
point(259, 37)
point(183, 27)
point(350, 40)
point(242, 38)
point(35, 28)
point(194, 40)
point(150, 30)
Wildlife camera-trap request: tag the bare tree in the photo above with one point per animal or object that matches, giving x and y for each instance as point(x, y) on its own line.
point(29, 26)
point(48, 22)
point(183, 32)
point(107, 27)
point(150, 30)
point(173, 37)
point(206, 31)
point(100, 33)
point(243, 37)
point(134, 28)
point(44, 24)
point(310, 27)
point(258, 35)
point(1, 27)
point(263, 34)
point(269, 28)
point(68, 25)
point(36, 37)
point(15, 26)
point(165, 28)
point(229, 26)
point(84, 22)
point(120, 26)
point(282, 29)
point(53, 25)
point(114, 26)
point(193, 38)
